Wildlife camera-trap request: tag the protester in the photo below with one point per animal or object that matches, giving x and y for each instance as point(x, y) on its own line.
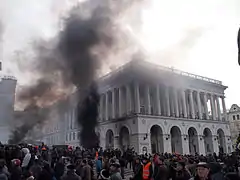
point(203, 172)
point(71, 175)
point(16, 170)
point(115, 171)
point(26, 159)
point(3, 175)
point(66, 162)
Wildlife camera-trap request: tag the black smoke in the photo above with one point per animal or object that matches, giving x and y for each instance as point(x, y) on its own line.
point(90, 34)
point(30, 118)
point(34, 114)
point(77, 43)
point(87, 117)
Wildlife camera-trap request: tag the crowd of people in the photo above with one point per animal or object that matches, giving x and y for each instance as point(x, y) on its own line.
point(28, 162)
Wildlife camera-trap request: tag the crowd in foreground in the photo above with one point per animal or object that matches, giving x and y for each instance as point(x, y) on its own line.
point(27, 162)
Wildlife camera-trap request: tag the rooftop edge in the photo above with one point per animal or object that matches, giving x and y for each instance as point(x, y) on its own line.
point(164, 68)
point(7, 77)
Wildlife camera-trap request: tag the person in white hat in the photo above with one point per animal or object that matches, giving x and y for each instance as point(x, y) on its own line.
point(203, 172)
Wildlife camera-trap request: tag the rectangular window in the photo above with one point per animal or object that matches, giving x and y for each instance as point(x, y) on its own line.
point(237, 117)
point(233, 117)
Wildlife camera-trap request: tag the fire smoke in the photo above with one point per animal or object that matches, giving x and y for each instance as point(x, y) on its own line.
point(90, 35)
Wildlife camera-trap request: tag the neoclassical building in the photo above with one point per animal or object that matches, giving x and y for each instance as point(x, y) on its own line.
point(158, 109)
point(153, 109)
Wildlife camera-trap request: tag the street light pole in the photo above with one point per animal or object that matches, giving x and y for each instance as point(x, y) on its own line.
point(238, 41)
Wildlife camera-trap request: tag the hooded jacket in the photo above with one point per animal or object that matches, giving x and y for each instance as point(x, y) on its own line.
point(27, 157)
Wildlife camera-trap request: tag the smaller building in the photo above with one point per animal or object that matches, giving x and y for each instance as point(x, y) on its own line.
point(7, 100)
point(234, 120)
point(61, 127)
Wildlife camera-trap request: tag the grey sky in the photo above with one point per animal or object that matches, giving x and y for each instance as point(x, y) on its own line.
point(165, 24)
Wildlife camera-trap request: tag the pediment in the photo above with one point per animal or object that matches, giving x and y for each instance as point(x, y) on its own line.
point(234, 108)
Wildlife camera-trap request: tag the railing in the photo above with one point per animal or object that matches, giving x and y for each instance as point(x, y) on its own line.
point(159, 67)
point(183, 73)
point(121, 68)
point(7, 77)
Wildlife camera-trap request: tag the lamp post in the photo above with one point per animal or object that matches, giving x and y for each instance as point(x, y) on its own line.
point(238, 41)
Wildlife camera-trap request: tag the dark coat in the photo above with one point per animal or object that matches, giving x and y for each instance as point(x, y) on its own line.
point(160, 173)
point(71, 176)
point(138, 170)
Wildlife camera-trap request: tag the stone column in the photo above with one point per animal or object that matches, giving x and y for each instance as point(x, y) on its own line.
point(215, 144)
point(135, 139)
point(205, 106)
point(120, 102)
point(142, 141)
point(116, 142)
point(199, 105)
point(184, 104)
point(185, 144)
point(73, 120)
point(158, 100)
point(167, 100)
point(113, 104)
point(106, 106)
point(172, 102)
point(201, 145)
point(167, 143)
point(101, 108)
point(192, 105)
point(128, 99)
point(228, 143)
point(218, 108)
point(137, 98)
point(224, 108)
point(102, 140)
point(213, 107)
point(176, 102)
point(148, 102)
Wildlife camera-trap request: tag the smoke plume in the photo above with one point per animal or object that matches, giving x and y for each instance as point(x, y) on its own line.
point(91, 34)
point(178, 52)
point(30, 118)
point(87, 117)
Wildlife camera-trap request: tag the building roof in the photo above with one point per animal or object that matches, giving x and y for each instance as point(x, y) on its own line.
point(234, 108)
point(154, 67)
point(5, 76)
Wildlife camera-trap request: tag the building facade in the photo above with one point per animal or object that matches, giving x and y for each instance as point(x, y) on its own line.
point(7, 100)
point(158, 109)
point(62, 127)
point(234, 120)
